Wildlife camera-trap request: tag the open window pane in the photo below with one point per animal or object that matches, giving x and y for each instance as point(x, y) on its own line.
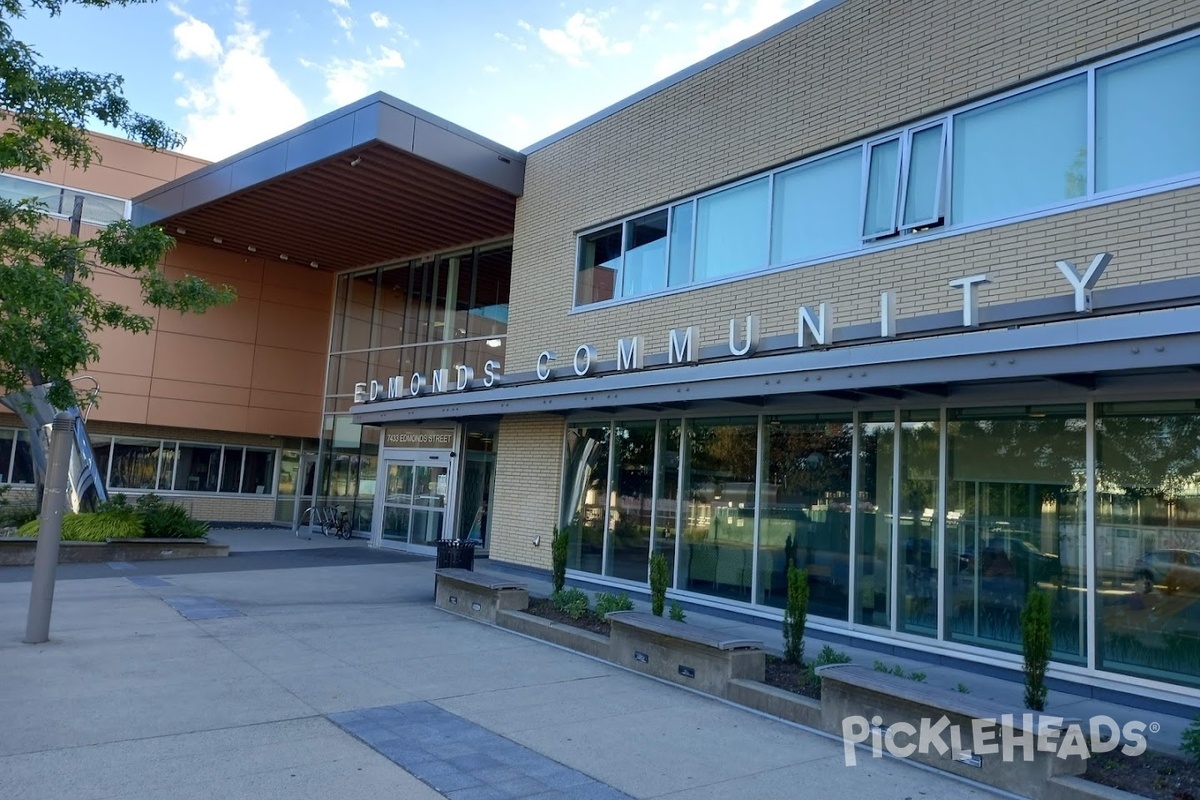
point(817, 208)
point(882, 181)
point(599, 263)
point(645, 267)
point(680, 270)
point(1148, 118)
point(1021, 154)
point(924, 179)
point(731, 231)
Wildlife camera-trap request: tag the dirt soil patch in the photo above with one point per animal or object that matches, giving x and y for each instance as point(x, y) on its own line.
point(792, 677)
point(1153, 775)
point(589, 621)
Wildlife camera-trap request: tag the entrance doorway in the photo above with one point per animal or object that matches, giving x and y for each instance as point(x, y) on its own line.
point(415, 502)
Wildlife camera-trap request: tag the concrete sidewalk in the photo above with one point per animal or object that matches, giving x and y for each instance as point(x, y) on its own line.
point(344, 681)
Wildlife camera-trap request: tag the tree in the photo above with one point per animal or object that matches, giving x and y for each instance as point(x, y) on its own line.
point(48, 309)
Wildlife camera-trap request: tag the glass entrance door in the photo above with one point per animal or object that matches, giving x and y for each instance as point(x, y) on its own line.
point(414, 504)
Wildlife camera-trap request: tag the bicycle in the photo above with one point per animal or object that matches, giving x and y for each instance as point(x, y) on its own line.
point(336, 525)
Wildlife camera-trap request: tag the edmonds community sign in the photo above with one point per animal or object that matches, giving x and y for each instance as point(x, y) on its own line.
point(814, 328)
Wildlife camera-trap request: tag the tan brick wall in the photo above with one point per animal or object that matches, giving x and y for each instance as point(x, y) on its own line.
point(861, 67)
point(528, 474)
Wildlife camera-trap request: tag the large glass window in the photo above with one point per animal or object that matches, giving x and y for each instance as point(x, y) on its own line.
point(59, 201)
point(1015, 508)
point(816, 208)
point(883, 189)
point(22, 470)
point(259, 474)
point(1148, 540)
point(135, 464)
point(917, 526)
point(7, 439)
point(731, 231)
point(923, 178)
point(584, 488)
point(872, 559)
point(198, 469)
point(666, 504)
point(718, 506)
point(680, 270)
point(644, 269)
point(631, 501)
point(804, 516)
point(599, 266)
point(166, 469)
point(1021, 154)
point(1147, 117)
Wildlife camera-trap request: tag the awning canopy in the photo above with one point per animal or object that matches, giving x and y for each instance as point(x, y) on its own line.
point(374, 181)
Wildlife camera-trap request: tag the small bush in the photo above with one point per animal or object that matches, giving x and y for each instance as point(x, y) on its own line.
point(676, 611)
point(606, 602)
point(827, 656)
point(572, 602)
point(96, 527)
point(558, 554)
point(899, 672)
point(962, 688)
point(660, 576)
point(163, 520)
point(795, 615)
point(1035, 647)
point(1190, 743)
point(16, 515)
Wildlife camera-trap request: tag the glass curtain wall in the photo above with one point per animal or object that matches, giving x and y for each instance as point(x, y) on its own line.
point(631, 502)
point(876, 513)
point(585, 489)
point(917, 530)
point(478, 481)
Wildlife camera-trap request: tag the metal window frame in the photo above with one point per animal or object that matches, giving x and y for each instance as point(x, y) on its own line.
point(939, 212)
point(868, 152)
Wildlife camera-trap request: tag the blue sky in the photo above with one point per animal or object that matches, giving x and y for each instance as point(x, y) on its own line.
point(231, 73)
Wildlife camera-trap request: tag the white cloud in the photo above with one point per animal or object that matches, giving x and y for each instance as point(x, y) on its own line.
point(379, 19)
point(523, 25)
point(517, 44)
point(241, 100)
point(581, 35)
point(491, 68)
point(347, 80)
point(340, 3)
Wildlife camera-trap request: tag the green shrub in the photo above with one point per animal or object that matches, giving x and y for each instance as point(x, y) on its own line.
point(163, 520)
point(572, 602)
point(16, 515)
point(558, 553)
point(606, 602)
point(660, 576)
point(1190, 743)
point(1035, 647)
point(827, 656)
point(795, 615)
point(962, 688)
point(676, 611)
point(95, 527)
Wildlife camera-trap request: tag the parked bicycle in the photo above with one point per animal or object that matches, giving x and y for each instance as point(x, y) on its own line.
point(332, 522)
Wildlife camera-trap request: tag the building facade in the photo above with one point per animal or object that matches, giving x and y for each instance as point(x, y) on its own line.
point(903, 293)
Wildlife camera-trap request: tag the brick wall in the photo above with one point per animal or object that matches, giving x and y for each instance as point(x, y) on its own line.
point(861, 67)
point(528, 475)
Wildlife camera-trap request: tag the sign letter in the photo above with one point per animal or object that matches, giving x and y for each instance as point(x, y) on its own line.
point(887, 314)
point(585, 360)
point(441, 377)
point(747, 347)
point(417, 384)
point(465, 376)
point(681, 350)
point(360, 393)
point(1084, 284)
point(821, 328)
point(543, 370)
point(970, 298)
point(489, 373)
point(629, 353)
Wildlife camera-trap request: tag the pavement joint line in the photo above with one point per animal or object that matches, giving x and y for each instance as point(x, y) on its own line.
point(824, 734)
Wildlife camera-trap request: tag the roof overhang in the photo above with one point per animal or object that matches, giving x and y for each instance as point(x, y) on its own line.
point(374, 181)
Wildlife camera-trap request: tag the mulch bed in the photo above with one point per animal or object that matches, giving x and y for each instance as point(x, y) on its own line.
point(1153, 775)
point(792, 677)
point(589, 621)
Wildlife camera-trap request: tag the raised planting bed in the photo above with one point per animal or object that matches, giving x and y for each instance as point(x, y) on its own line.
point(477, 594)
point(20, 551)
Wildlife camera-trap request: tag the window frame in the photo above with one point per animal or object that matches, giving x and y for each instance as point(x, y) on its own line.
point(63, 189)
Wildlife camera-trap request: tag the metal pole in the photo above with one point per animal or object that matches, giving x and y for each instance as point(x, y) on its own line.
point(45, 564)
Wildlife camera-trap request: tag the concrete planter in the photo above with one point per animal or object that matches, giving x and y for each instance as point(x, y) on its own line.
point(20, 551)
point(775, 701)
point(593, 644)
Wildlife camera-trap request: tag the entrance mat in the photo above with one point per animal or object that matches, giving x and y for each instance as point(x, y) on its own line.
point(194, 607)
point(465, 761)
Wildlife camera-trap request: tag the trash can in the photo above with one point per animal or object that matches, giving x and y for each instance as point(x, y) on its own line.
point(458, 553)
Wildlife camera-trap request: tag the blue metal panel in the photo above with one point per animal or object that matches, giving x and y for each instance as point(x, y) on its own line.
point(317, 144)
point(258, 166)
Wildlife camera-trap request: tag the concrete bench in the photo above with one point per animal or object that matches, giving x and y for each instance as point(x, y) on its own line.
point(477, 594)
point(683, 653)
point(1017, 749)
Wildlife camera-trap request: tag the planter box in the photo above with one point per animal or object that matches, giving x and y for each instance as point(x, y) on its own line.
point(593, 644)
point(775, 701)
point(477, 594)
point(20, 551)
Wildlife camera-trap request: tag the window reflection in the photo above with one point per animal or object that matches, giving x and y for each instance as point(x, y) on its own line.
point(631, 502)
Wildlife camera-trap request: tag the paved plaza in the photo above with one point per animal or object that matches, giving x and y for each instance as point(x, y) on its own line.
point(319, 669)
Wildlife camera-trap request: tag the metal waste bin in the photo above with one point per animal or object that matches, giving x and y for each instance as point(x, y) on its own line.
point(458, 553)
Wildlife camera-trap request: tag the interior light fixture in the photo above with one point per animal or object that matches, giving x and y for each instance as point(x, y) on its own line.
point(218, 239)
point(494, 343)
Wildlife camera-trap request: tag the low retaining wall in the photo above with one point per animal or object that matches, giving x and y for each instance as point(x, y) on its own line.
point(20, 551)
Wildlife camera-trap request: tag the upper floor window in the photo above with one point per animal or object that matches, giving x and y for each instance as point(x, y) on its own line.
point(1126, 125)
point(59, 201)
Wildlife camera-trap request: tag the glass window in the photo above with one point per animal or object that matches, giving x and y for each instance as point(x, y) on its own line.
point(135, 464)
point(817, 208)
point(876, 473)
point(632, 502)
point(883, 181)
point(585, 486)
point(231, 469)
point(1015, 521)
point(102, 449)
point(197, 468)
point(1147, 117)
point(23, 471)
point(7, 439)
point(805, 511)
point(917, 533)
point(680, 270)
point(1148, 540)
point(259, 474)
point(645, 267)
point(166, 470)
point(923, 182)
point(731, 231)
point(719, 466)
point(666, 504)
point(599, 264)
point(1020, 154)
point(60, 201)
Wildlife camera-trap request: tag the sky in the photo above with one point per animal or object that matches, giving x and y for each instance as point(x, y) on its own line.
point(229, 74)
